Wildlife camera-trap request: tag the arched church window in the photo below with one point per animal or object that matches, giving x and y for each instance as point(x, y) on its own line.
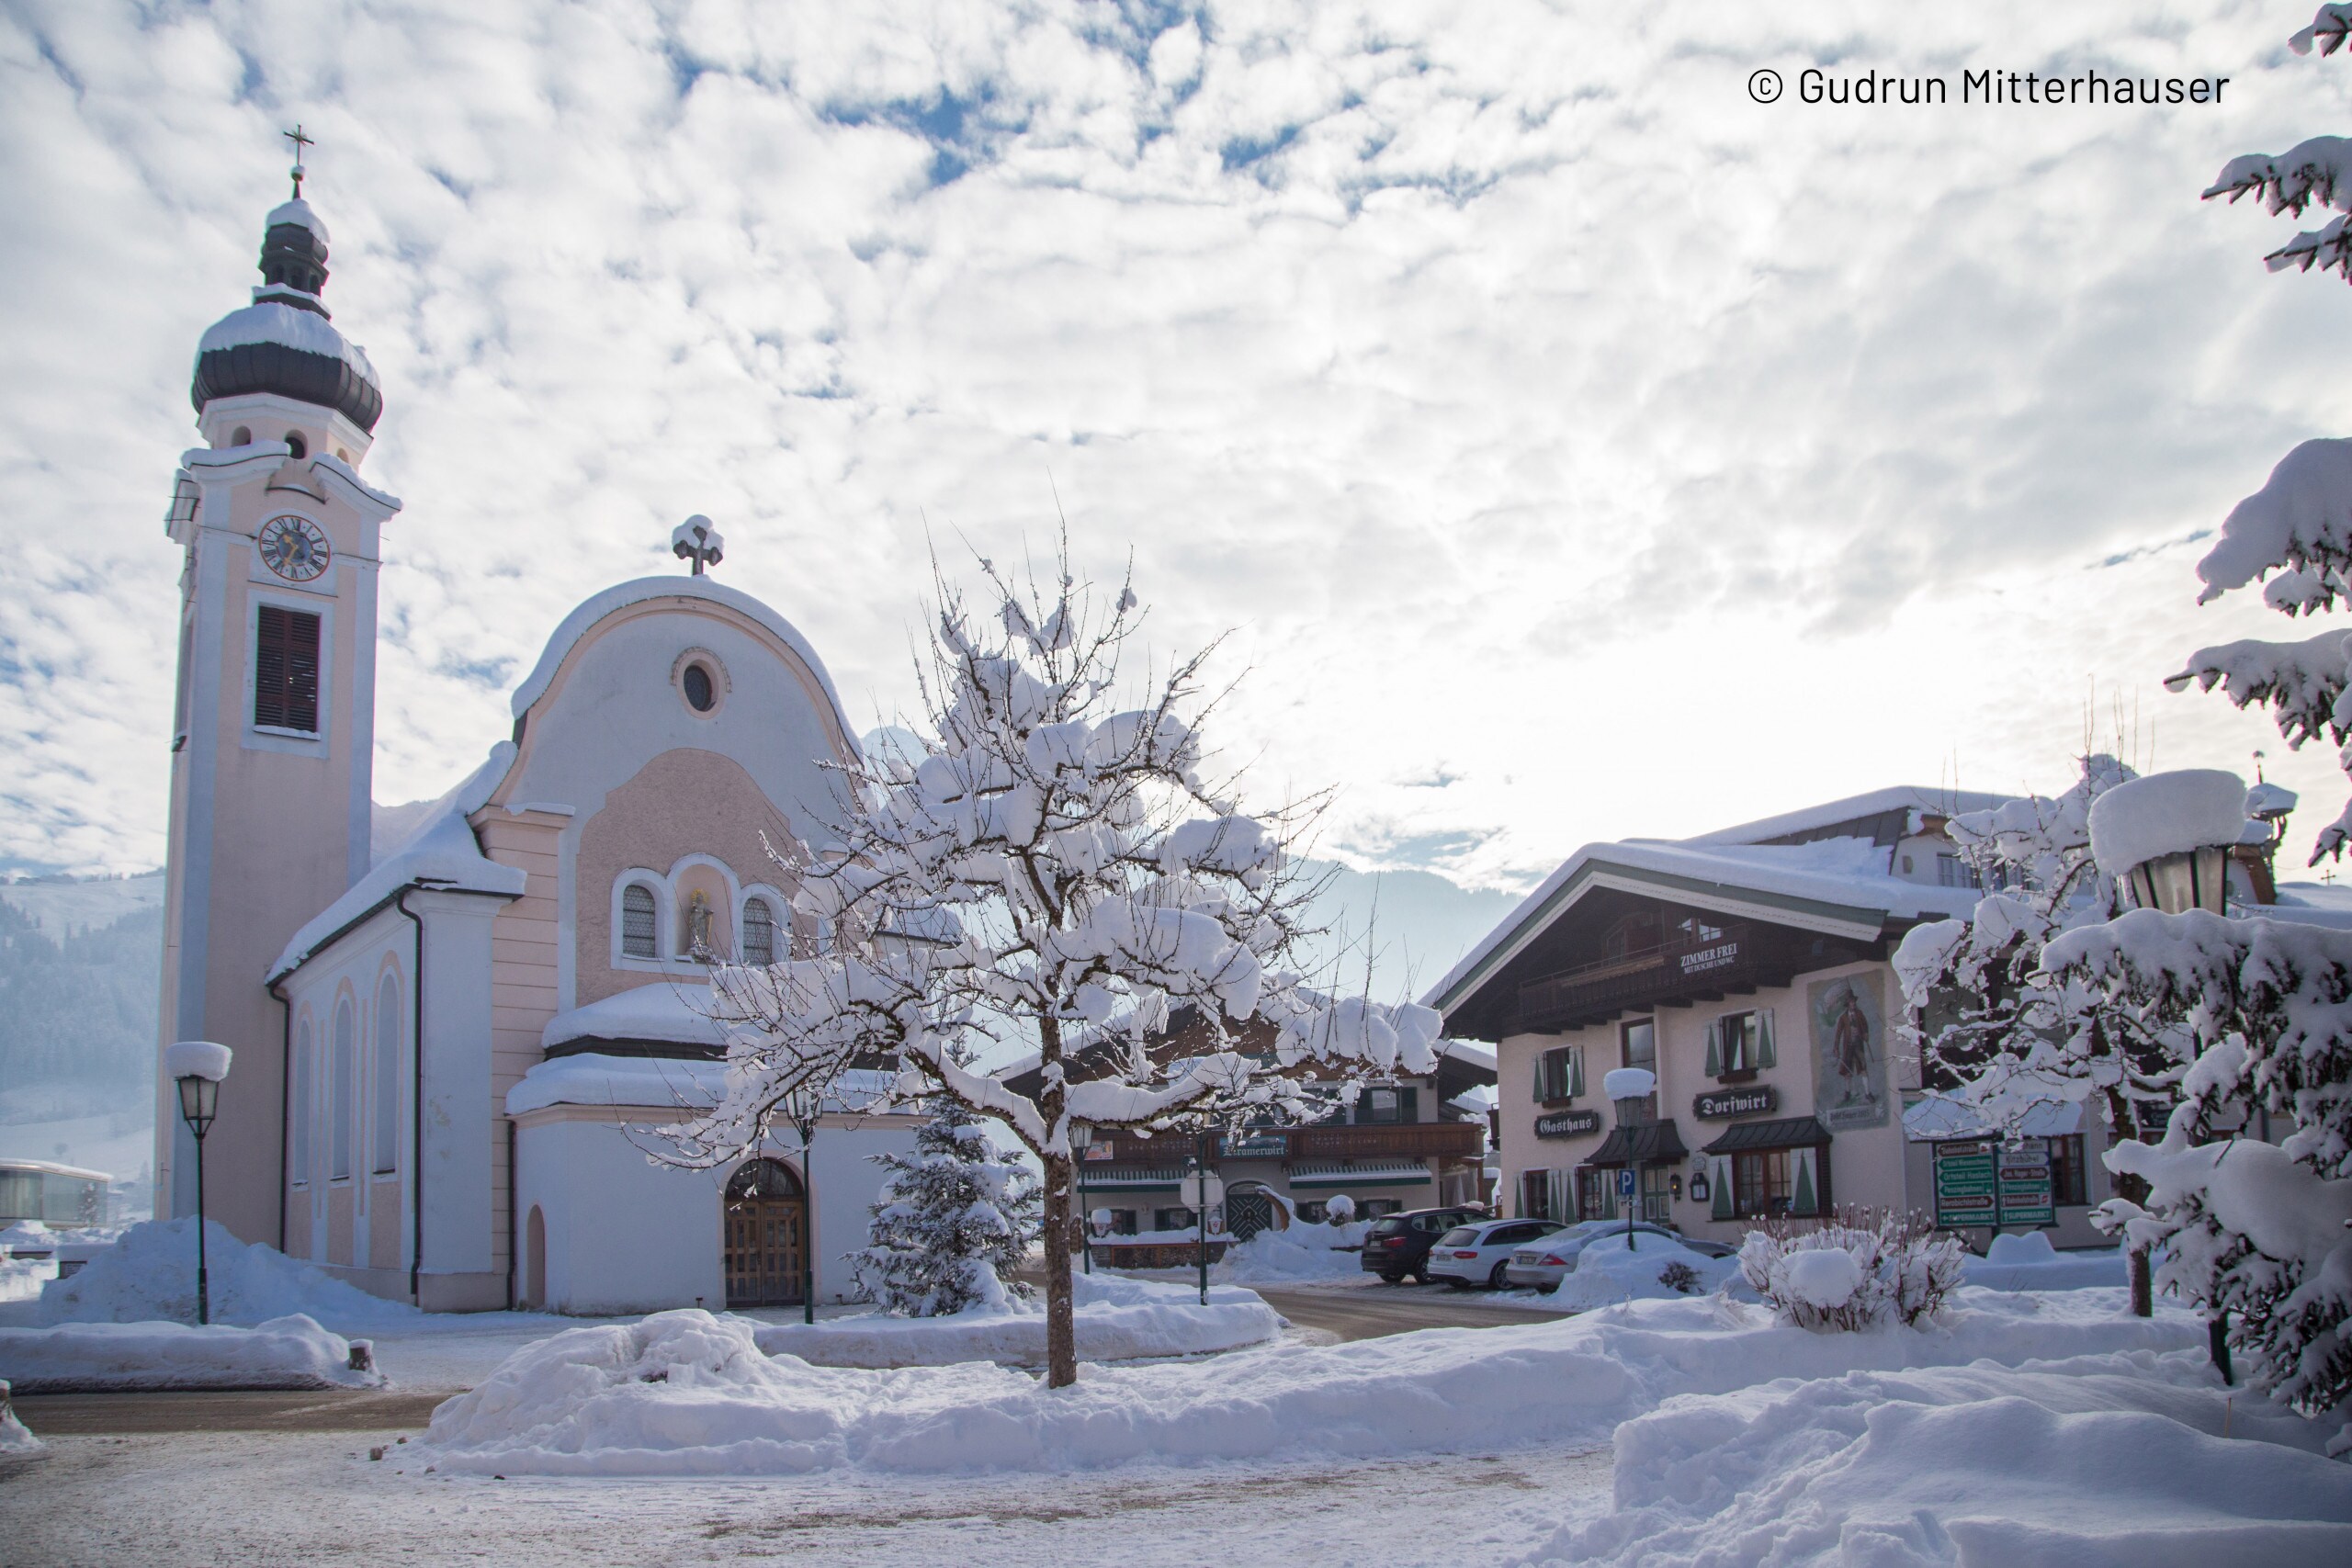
point(303, 1110)
point(299, 447)
point(759, 931)
point(640, 936)
point(700, 694)
point(388, 1075)
point(339, 1135)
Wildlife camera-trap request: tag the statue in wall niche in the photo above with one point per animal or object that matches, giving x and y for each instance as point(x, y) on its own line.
point(698, 923)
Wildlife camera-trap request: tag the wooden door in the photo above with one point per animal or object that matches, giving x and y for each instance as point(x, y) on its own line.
point(766, 1237)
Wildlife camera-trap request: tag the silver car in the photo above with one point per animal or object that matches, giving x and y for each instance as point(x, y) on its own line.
point(1543, 1264)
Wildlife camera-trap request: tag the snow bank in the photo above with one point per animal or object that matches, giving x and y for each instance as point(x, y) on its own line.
point(686, 1393)
point(1301, 1252)
point(1607, 1273)
point(2089, 1460)
point(150, 1275)
point(21, 1278)
point(285, 1352)
point(2028, 1262)
point(1117, 1320)
point(14, 1442)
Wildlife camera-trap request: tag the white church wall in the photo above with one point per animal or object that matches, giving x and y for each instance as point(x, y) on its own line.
point(463, 1165)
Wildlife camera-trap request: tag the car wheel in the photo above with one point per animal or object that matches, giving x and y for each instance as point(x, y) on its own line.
point(1495, 1280)
point(1392, 1279)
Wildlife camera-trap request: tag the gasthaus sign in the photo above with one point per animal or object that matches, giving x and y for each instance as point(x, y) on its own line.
point(1567, 1124)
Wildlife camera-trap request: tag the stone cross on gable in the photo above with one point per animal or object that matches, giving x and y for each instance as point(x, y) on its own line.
point(698, 541)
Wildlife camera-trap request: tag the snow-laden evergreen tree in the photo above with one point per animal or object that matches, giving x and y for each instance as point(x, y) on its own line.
point(953, 1222)
point(1997, 1035)
point(2252, 1226)
point(1038, 889)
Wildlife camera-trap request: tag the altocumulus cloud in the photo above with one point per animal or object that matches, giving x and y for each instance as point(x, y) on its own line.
point(1547, 416)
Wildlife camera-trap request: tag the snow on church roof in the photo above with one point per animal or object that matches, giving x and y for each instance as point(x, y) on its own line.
point(666, 1011)
point(665, 1082)
point(621, 596)
point(289, 327)
point(442, 854)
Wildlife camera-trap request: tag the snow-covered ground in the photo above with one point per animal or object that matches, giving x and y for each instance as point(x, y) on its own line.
point(83, 1358)
point(1117, 1319)
point(1301, 1252)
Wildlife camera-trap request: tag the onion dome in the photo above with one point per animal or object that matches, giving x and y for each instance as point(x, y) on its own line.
point(283, 341)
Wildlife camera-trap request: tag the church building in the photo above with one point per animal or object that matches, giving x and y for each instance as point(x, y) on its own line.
point(454, 1021)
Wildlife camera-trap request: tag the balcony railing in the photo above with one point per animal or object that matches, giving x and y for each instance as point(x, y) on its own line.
point(1686, 966)
point(1375, 1141)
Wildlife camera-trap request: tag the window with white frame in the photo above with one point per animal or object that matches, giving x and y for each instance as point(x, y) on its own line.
point(640, 922)
point(759, 931)
point(339, 1134)
point(300, 1101)
point(1559, 1073)
point(1739, 1043)
point(387, 1092)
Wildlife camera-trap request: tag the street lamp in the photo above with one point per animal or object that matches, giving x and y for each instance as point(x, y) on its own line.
point(1629, 1087)
point(199, 1065)
point(1081, 1138)
point(802, 1105)
point(2166, 838)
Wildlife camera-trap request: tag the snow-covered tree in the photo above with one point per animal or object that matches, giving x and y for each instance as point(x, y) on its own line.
point(2003, 1037)
point(954, 1221)
point(1046, 881)
point(2317, 172)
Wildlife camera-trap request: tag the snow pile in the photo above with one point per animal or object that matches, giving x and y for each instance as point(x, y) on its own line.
point(2165, 814)
point(150, 1274)
point(14, 1442)
point(686, 1393)
point(2095, 1460)
point(21, 1278)
point(28, 1236)
point(1823, 1279)
point(2028, 1262)
point(1117, 1319)
point(1608, 1273)
point(1303, 1251)
point(285, 1352)
point(1867, 1267)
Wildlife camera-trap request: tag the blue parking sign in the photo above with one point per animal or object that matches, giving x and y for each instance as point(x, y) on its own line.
point(1626, 1183)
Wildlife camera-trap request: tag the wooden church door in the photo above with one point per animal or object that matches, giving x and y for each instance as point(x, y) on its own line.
point(766, 1235)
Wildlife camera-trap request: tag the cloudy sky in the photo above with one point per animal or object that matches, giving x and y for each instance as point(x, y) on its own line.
point(1574, 446)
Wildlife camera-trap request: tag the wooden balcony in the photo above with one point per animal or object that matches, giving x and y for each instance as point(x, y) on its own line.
point(1686, 968)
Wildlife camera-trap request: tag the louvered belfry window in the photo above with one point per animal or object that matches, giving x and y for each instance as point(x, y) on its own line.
point(285, 670)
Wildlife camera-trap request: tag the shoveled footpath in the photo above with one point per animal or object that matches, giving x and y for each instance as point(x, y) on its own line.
point(1368, 1313)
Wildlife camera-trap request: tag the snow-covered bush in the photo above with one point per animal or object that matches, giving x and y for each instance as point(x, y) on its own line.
point(1679, 1277)
point(953, 1223)
point(1340, 1210)
point(1864, 1268)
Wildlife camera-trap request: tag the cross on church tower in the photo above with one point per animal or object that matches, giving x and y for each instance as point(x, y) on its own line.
point(301, 141)
point(698, 541)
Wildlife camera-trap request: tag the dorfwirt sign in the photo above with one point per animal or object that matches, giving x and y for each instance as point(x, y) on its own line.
point(1567, 1124)
point(1761, 1100)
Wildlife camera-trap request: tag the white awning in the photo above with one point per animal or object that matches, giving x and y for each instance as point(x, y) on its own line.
point(1361, 1176)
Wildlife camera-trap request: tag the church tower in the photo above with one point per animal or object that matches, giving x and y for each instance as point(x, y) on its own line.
point(273, 727)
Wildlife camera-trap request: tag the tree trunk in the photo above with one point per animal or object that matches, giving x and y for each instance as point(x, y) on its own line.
point(1061, 1328)
point(2133, 1190)
point(2143, 1293)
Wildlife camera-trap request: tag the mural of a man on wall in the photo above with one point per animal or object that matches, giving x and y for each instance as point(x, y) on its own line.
point(1849, 1050)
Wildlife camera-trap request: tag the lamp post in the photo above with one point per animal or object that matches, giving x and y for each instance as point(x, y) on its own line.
point(1081, 1138)
point(2167, 839)
point(198, 1066)
point(802, 1106)
point(1628, 1087)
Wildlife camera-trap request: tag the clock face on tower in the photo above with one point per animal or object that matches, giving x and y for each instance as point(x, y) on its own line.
point(295, 547)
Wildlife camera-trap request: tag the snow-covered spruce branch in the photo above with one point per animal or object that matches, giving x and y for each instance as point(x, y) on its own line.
point(2295, 533)
point(1051, 880)
point(2314, 174)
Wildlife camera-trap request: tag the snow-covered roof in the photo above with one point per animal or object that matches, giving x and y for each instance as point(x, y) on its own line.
point(665, 1011)
point(296, 212)
point(622, 595)
point(1914, 798)
point(1837, 885)
point(290, 327)
point(592, 1078)
point(2307, 904)
point(1936, 1117)
point(441, 853)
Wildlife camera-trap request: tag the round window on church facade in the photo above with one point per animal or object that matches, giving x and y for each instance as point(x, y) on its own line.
point(699, 693)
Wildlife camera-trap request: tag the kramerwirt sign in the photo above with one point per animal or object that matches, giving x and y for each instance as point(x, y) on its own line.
point(1758, 1101)
point(1567, 1124)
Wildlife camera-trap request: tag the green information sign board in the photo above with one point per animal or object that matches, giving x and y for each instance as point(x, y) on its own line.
point(1980, 1182)
point(1967, 1172)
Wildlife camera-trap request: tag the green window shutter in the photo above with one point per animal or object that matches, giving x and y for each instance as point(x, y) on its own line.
point(1541, 1057)
point(1719, 1205)
point(1803, 1201)
point(1766, 1056)
point(1715, 1048)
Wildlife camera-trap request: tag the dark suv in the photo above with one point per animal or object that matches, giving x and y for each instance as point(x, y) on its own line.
point(1399, 1245)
